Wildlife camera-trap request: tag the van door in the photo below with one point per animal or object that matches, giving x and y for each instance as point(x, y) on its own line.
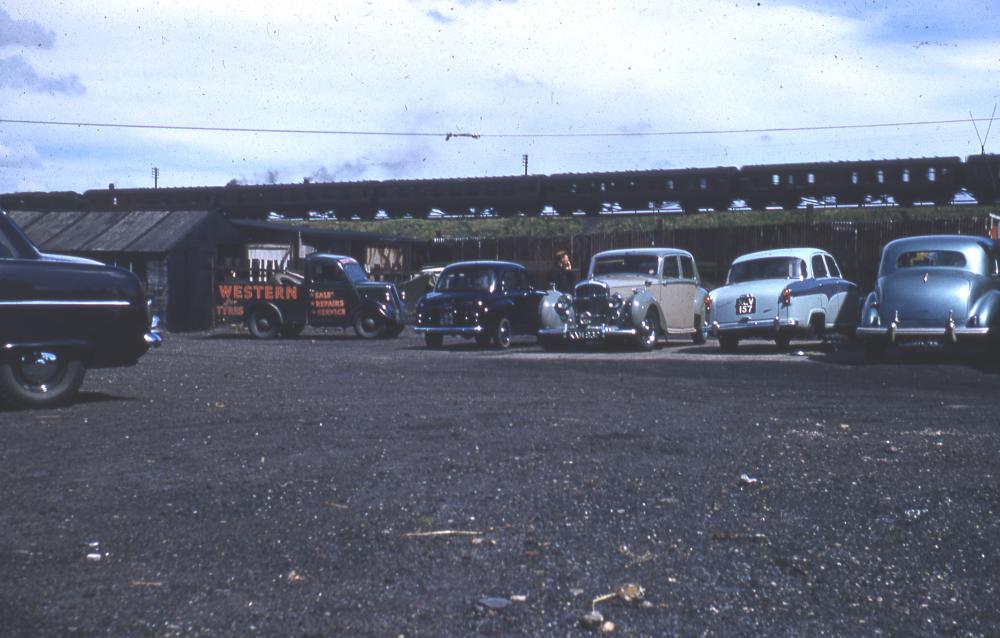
point(332, 298)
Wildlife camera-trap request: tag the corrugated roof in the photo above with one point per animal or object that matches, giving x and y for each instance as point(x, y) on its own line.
point(108, 231)
point(46, 226)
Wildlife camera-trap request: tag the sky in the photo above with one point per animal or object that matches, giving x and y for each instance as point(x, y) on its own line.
point(279, 92)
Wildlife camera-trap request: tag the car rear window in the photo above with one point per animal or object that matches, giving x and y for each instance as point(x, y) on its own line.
point(767, 268)
point(925, 258)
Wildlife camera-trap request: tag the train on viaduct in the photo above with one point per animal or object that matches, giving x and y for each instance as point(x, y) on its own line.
point(906, 181)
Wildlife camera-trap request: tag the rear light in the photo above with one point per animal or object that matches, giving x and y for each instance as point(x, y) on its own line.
point(708, 303)
point(786, 297)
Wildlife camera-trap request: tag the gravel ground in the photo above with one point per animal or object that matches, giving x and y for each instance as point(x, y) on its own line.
point(328, 486)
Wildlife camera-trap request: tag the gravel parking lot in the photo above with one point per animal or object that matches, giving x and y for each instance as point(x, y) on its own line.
point(330, 486)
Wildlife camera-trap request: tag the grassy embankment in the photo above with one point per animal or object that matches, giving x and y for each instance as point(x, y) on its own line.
point(563, 226)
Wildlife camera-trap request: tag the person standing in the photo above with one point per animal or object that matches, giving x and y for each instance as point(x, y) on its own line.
point(561, 277)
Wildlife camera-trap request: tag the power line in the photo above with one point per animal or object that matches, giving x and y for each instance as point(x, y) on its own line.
point(449, 135)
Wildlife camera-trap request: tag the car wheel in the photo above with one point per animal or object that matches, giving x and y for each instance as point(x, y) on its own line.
point(728, 343)
point(292, 330)
point(645, 338)
point(782, 341)
point(369, 324)
point(264, 323)
point(433, 340)
point(34, 379)
point(502, 334)
point(700, 335)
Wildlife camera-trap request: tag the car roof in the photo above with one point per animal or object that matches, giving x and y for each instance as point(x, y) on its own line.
point(659, 252)
point(801, 253)
point(939, 242)
point(331, 256)
point(485, 264)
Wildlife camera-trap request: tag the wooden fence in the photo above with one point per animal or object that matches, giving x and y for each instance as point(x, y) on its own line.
point(256, 270)
point(855, 244)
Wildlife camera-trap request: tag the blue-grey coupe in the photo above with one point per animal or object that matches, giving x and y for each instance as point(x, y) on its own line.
point(937, 288)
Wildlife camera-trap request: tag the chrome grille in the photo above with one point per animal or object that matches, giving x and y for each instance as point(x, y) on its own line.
point(591, 298)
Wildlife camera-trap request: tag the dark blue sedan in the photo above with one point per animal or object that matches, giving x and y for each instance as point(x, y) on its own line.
point(489, 301)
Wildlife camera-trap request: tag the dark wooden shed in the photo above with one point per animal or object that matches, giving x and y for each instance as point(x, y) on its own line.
point(173, 252)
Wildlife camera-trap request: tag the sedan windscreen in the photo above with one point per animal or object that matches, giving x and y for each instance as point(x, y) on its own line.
point(465, 279)
point(767, 268)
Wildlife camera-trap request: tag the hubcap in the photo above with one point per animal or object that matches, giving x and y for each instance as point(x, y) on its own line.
point(646, 327)
point(504, 333)
point(37, 371)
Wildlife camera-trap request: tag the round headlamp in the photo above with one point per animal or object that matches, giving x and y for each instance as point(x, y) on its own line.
point(562, 306)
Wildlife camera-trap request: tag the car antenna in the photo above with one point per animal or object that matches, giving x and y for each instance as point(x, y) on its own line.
point(982, 138)
point(982, 144)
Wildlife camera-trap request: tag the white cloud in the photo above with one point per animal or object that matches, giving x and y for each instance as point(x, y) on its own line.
point(478, 67)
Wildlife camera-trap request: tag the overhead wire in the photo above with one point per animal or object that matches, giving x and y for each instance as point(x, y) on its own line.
point(449, 134)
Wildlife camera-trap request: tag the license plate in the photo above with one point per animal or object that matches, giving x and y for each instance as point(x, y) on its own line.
point(746, 305)
point(588, 334)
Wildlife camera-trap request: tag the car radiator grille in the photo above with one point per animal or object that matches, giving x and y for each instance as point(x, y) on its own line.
point(593, 299)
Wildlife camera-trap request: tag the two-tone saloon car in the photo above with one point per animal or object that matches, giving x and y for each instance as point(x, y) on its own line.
point(782, 294)
point(631, 296)
point(489, 301)
point(936, 288)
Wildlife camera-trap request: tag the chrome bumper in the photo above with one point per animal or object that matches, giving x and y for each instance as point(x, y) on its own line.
point(589, 333)
point(449, 330)
point(757, 326)
point(949, 333)
point(154, 336)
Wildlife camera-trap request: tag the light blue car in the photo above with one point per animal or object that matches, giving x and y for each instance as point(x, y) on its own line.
point(782, 294)
point(936, 288)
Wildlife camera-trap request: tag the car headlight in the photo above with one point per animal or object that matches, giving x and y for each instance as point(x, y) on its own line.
point(563, 305)
point(616, 301)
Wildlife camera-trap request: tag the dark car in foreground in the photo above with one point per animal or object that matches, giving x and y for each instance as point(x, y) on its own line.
point(61, 315)
point(935, 288)
point(489, 301)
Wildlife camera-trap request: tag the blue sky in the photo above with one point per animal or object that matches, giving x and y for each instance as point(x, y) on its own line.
point(568, 83)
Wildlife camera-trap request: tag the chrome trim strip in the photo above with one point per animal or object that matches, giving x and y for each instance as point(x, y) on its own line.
point(575, 333)
point(928, 332)
point(53, 302)
point(758, 324)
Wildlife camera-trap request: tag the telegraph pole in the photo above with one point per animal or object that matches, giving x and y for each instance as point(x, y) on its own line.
point(156, 177)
